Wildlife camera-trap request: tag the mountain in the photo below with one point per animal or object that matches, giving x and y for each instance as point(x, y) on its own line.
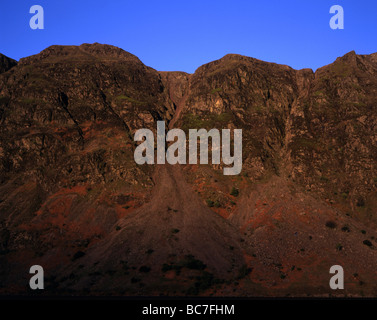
point(6, 63)
point(73, 200)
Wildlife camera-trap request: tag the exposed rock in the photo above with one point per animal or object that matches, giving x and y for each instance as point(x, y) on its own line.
point(73, 199)
point(6, 63)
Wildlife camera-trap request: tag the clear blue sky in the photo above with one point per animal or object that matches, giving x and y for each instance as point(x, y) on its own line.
point(182, 35)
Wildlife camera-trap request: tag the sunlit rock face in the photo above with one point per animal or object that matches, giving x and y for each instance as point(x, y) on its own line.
point(73, 200)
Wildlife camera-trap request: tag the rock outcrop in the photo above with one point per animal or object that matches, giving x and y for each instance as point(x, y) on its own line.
point(73, 200)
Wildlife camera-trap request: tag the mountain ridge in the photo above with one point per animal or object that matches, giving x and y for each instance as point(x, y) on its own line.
point(117, 52)
point(74, 201)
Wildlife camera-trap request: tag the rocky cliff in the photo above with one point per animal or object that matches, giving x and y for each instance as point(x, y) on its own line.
point(73, 200)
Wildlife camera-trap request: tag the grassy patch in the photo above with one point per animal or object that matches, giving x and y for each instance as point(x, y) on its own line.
point(217, 204)
point(193, 121)
point(210, 203)
point(129, 99)
point(235, 192)
point(216, 90)
point(341, 69)
point(301, 143)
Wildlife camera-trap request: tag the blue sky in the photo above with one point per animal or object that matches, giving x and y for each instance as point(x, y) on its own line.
point(182, 35)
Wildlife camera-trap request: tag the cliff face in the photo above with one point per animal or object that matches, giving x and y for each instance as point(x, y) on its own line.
point(73, 200)
point(317, 129)
point(6, 63)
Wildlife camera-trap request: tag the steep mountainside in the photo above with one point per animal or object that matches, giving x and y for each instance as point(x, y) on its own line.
point(73, 200)
point(6, 63)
